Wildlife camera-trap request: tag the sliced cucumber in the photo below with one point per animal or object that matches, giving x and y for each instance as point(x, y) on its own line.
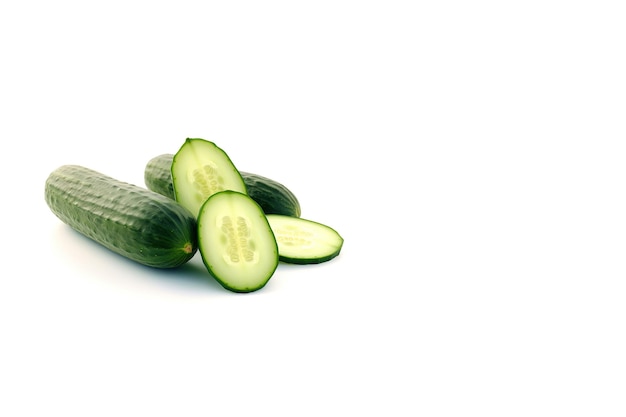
point(302, 241)
point(200, 169)
point(236, 242)
point(272, 196)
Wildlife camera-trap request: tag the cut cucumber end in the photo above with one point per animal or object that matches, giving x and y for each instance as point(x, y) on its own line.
point(236, 242)
point(200, 169)
point(302, 241)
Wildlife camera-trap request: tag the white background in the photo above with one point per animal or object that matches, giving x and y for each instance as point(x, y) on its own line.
point(471, 154)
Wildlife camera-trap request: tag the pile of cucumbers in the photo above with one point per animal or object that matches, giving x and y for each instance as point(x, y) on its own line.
point(243, 224)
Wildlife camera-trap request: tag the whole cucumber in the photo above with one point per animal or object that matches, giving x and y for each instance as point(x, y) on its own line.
point(271, 195)
point(132, 221)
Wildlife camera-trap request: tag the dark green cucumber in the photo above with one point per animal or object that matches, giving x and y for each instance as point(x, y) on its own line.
point(134, 222)
point(158, 175)
point(236, 242)
point(272, 196)
point(200, 169)
point(302, 241)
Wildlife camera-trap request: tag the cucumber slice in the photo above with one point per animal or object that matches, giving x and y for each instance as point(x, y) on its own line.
point(200, 169)
point(236, 242)
point(302, 241)
point(272, 196)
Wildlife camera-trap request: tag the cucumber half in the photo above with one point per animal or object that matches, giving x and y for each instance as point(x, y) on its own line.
point(302, 241)
point(236, 242)
point(200, 169)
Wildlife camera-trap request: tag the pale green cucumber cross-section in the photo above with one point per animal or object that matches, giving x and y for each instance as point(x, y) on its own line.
point(200, 169)
point(236, 242)
point(272, 196)
point(302, 241)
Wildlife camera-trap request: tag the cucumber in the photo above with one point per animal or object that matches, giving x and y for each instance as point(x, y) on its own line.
point(200, 169)
point(157, 175)
point(236, 241)
point(302, 241)
point(272, 196)
point(134, 222)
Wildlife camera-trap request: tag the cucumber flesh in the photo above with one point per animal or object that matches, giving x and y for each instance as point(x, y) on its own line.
point(302, 241)
point(236, 241)
point(200, 169)
point(272, 196)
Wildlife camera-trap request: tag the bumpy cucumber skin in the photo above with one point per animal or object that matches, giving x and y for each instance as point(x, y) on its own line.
point(272, 196)
point(134, 222)
point(158, 175)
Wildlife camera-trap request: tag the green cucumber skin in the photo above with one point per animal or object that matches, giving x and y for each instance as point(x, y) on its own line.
point(308, 261)
point(134, 222)
point(272, 196)
point(158, 175)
